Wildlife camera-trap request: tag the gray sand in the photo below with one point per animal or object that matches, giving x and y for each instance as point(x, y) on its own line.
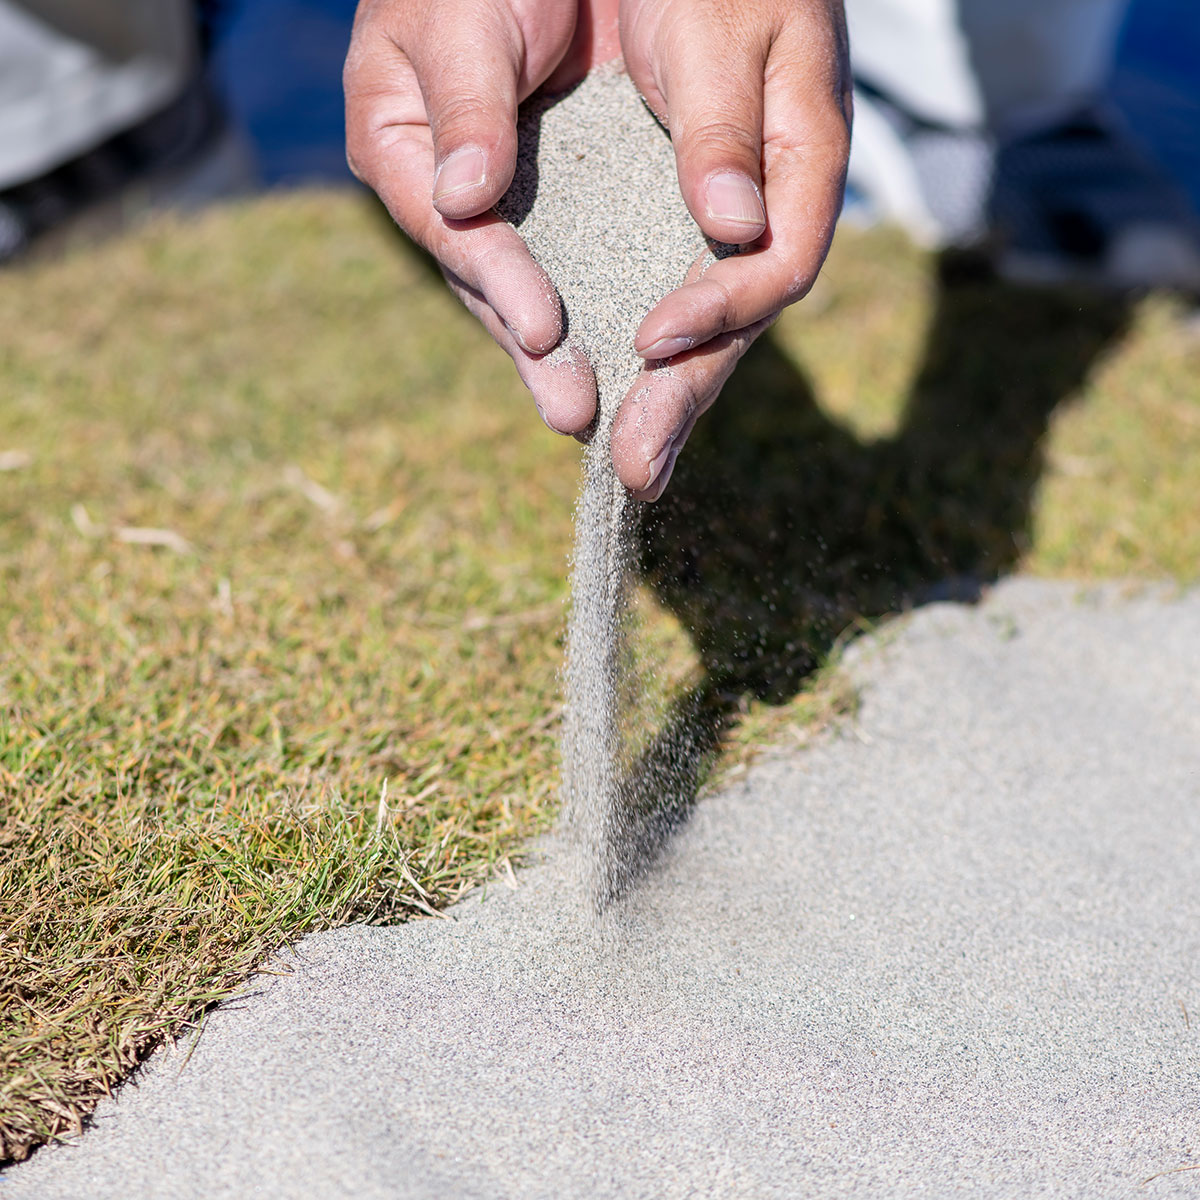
point(595, 198)
point(952, 949)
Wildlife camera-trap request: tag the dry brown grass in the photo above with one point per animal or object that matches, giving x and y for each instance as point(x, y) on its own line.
point(278, 528)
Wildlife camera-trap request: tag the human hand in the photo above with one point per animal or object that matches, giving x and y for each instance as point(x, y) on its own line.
point(752, 90)
point(432, 88)
point(756, 95)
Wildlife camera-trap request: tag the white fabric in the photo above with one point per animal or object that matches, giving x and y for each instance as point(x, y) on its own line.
point(1002, 63)
point(916, 51)
point(882, 169)
point(986, 68)
point(74, 72)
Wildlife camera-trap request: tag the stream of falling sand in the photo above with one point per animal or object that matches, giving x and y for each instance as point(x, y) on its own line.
point(595, 197)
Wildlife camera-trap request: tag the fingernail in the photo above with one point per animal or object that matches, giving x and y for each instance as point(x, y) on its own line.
point(660, 469)
point(733, 197)
point(668, 347)
point(519, 339)
point(545, 419)
point(659, 485)
point(464, 168)
point(658, 462)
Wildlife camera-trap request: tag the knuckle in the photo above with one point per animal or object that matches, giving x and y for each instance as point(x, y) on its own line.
point(458, 109)
point(833, 130)
point(726, 306)
point(695, 387)
point(719, 136)
point(796, 286)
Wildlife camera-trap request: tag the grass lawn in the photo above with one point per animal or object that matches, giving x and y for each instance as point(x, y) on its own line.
point(282, 575)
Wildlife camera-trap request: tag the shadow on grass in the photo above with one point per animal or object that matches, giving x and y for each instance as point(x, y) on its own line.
point(781, 528)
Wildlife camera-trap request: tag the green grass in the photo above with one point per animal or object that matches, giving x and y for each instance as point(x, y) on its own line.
point(354, 576)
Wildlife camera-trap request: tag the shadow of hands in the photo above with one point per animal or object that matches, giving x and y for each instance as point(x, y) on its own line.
point(782, 528)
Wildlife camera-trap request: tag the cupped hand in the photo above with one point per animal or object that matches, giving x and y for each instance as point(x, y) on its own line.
point(756, 96)
point(432, 88)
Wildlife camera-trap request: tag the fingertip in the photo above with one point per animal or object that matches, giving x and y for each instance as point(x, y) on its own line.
point(647, 480)
point(542, 319)
point(568, 420)
point(655, 490)
point(646, 432)
point(538, 330)
point(564, 391)
point(682, 320)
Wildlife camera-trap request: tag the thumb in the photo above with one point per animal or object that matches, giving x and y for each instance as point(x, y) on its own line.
point(713, 89)
point(468, 80)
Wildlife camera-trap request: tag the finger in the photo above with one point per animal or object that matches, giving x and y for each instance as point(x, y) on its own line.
point(806, 135)
point(712, 85)
point(561, 383)
point(661, 409)
point(669, 345)
point(803, 190)
point(390, 148)
point(468, 67)
point(491, 257)
point(465, 66)
point(475, 62)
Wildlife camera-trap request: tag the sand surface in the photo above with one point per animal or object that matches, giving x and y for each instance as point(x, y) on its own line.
point(952, 949)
